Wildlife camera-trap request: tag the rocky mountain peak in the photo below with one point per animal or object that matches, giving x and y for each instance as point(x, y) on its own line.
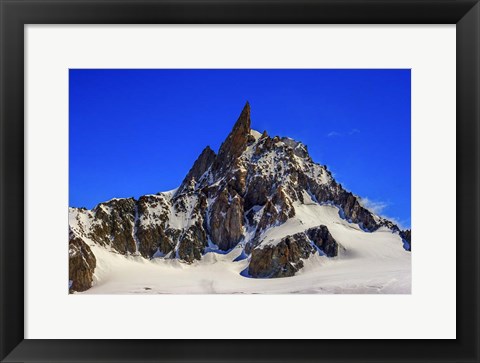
point(243, 123)
point(236, 142)
point(201, 165)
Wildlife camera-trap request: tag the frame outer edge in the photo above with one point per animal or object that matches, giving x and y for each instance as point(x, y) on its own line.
point(11, 160)
point(12, 179)
point(468, 180)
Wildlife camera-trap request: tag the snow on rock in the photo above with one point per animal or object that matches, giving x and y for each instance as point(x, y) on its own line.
point(257, 135)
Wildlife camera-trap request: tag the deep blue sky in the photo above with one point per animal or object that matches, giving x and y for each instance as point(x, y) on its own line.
point(135, 132)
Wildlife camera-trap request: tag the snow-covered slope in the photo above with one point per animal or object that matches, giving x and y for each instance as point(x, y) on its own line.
point(259, 209)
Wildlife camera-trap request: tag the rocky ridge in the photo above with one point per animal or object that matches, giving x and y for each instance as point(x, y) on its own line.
point(254, 184)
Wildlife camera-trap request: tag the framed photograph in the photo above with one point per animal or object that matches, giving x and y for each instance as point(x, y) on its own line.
point(239, 181)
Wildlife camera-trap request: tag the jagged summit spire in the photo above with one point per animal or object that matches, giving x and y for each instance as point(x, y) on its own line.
point(243, 122)
point(233, 146)
point(246, 107)
point(236, 142)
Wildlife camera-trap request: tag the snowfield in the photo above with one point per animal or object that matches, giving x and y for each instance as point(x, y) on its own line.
point(368, 263)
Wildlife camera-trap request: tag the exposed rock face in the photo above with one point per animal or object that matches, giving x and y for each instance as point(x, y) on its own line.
point(236, 142)
point(153, 239)
point(257, 193)
point(152, 214)
point(192, 243)
point(115, 224)
point(284, 258)
point(226, 220)
point(407, 235)
point(322, 238)
point(254, 184)
point(407, 239)
point(201, 165)
point(349, 203)
point(81, 264)
point(277, 210)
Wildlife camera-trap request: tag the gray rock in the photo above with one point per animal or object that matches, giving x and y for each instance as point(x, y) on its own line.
point(81, 264)
point(284, 258)
point(226, 220)
point(201, 165)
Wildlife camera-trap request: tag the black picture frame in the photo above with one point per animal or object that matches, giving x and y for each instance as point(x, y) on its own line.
point(17, 13)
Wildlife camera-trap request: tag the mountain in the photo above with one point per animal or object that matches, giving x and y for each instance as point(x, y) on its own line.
point(259, 194)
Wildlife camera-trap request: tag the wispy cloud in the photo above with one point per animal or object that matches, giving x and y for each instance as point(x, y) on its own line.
point(379, 207)
point(334, 134)
point(340, 134)
point(376, 207)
